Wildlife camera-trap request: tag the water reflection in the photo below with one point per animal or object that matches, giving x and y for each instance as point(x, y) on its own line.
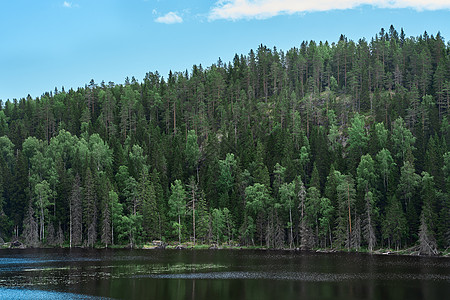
point(154, 274)
point(297, 276)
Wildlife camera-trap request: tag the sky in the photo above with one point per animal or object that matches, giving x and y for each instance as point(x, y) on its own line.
point(52, 43)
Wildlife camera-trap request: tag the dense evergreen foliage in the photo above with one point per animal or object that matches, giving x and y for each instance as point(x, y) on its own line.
point(342, 145)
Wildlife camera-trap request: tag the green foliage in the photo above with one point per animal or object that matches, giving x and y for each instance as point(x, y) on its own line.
point(366, 176)
point(149, 210)
point(42, 193)
point(357, 137)
point(287, 197)
point(334, 135)
point(130, 228)
point(100, 153)
point(279, 172)
point(217, 224)
point(394, 227)
point(202, 219)
point(6, 150)
point(177, 206)
point(403, 140)
point(354, 122)
point(312, 211)
point(225, 181)
point(385, 168)
point(326, 212)
point(257, 198)
point(409, 181)
point(428, 218)
point(382, 135)
point(346, 197)
point(192, 150)
point(446, 170)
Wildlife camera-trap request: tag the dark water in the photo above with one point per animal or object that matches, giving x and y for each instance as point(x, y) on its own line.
point(218, 274)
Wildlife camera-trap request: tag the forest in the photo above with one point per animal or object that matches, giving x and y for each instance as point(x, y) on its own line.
point(342, 145)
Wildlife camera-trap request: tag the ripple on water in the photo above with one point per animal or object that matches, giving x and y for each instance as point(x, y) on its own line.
point(297, 276)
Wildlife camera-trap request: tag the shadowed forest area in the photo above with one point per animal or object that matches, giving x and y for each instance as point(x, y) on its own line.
point(343, 145)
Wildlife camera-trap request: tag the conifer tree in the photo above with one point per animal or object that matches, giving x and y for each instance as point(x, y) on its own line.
point(427, 239)
point(394, 227)
point(345, 192)
point(89, 209)
point(149, 211)
point(76, 209)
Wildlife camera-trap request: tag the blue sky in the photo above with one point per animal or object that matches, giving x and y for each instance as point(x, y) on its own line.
point(52, 43)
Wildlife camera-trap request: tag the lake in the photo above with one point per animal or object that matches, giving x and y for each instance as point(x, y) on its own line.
point(218, 274)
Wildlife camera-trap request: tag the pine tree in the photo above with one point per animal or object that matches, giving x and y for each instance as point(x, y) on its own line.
point(326, 212)
point(202, 219)
point(427, 240)
point(149, 211)
point(394, 226)
point(346, 200)
point(90, 209)
point(76, 209)
point(106, 236)
point(312, 209)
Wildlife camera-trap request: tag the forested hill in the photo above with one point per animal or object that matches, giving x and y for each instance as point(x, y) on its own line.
point(342, 145)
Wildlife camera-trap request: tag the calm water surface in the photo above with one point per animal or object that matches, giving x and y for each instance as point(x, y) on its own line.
point(218, 274)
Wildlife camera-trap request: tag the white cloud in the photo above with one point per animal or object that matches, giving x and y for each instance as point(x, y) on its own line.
point(67, 4)
point(262, 9)
point(169, 18)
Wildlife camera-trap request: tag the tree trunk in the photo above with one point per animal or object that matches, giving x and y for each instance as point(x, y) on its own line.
point(349, 214)
point(290, 220)
point(193, 210)
point(70, 224)
point(174, 119)
point(179, 229)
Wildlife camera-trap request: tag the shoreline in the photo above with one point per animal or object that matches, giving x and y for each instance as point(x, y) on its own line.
point(190, 246)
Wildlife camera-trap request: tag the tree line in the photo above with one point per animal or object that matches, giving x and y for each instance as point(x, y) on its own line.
point(342, 145)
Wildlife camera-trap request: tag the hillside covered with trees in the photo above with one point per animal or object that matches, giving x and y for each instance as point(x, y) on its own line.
point(342, 145)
